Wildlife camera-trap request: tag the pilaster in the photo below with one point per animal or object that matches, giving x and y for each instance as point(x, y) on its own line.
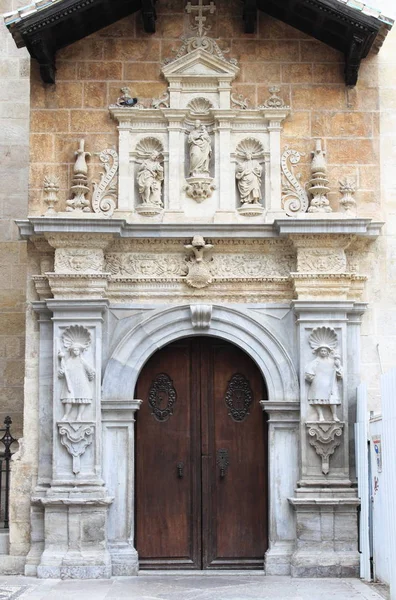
point(283, 443)
point(76, 501)
point(118, 423)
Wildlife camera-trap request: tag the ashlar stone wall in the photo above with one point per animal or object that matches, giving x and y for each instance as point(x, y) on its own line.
point(14, 164)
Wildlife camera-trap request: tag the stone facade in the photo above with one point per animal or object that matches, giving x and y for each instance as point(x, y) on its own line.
point(136, 278)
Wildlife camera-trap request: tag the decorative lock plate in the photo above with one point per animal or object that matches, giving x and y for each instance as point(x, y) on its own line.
point(222, 461)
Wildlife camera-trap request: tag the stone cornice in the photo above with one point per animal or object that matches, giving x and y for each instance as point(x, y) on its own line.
point(119, 228)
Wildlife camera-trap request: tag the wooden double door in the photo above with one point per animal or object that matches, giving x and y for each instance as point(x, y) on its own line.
point(201, 458)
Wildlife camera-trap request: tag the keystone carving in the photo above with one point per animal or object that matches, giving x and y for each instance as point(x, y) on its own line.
point(325, 437)
point(201, 316)
point(76, 437)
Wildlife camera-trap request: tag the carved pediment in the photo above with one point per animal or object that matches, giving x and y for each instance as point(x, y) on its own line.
point(200, 63)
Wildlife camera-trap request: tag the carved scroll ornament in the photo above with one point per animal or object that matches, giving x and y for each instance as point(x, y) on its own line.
point(325, 437)
point(105, 192)
point(294, 196)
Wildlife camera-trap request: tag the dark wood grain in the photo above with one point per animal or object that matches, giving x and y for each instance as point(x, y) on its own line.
point(201, 520)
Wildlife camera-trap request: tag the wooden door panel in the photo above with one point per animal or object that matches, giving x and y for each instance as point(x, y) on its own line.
point(168, 502)
point(237, 523)
point(201, 520)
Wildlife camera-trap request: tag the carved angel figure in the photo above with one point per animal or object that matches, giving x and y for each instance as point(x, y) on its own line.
point(75, 372)
point(248, 174)
point(324, 372)
point(200, 150)
point(149, 179)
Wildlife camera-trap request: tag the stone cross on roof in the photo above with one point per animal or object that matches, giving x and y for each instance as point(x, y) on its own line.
point(200, 19)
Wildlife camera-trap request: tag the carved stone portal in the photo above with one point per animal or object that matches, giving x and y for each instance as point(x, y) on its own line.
point(75, 437)
point(325, 437)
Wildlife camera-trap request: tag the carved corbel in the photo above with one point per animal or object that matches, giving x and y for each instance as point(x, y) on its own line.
point(76, 437)
point(149, 15)
point(42, 48)
point(352, 60)
point(325, 437)
point(250, 15)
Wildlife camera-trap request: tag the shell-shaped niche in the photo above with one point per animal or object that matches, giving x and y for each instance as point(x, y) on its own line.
point(200, 106)
point(323, 337)
point(76, 335)
point(149, 146)
point(250, 146)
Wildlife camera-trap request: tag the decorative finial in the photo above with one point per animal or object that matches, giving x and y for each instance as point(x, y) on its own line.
point(318, 184)
point(80, 188)
point(348, 189)
point(274, 101)
point(51, 190)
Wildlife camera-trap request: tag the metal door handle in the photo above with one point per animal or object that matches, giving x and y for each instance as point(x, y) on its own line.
point(222, 461)
point(180, 470)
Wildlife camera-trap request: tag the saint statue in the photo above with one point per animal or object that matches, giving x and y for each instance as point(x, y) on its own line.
point(248, 174)
point(200, 150)
point(75, 372)
point(149, 178)
point(324, 372)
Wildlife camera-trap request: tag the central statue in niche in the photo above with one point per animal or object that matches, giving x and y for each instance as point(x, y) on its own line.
point(200, 150)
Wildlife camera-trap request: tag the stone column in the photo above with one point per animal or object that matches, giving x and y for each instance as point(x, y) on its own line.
point(283, 444)
point(325, 501)
point(273, 202)
point(126, 191)
point(118, 421)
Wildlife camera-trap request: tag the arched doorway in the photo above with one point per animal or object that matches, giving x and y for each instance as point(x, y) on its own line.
point(201, 458)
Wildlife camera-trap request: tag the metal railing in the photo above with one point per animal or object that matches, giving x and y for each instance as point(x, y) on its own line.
point(5, 472)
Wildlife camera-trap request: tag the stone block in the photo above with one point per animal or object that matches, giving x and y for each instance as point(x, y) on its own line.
point(131, 50)
point(296, 73)
point(91, 48)
point(65, 70)
point(363, 151)
point(95, 95)
point(319, 97)
point(42, 147)
point(100, 71)
point(261, 73)
point(12, 565)
point(45, 121)
point(91, 121)
point(314, 51)
point(141, 72)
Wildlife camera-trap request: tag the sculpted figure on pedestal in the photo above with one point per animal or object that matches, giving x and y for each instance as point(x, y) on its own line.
point(150, 177)
point(200, 150)
point(248, 174)
point(76, 374)
point(324, 372)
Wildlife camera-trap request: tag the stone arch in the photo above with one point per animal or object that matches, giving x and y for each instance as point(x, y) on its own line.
point(163, 326)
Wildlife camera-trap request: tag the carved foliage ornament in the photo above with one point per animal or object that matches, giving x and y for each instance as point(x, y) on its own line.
point(162, 397)
point(239, 397)
point(78, 260)
point(76, 438)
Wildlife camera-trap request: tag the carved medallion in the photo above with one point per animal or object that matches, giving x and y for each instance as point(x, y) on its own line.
point(239, 397)
point(162, 396)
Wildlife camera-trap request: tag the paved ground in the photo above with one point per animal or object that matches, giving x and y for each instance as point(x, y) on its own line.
point(187, 587)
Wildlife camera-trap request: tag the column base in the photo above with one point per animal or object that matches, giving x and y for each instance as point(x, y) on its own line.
point(124, 560)
point(75, 565)
point(322, 563)
point(277, 559)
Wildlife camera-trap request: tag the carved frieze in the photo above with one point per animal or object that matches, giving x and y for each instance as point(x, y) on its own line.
point(146, 265)
point(78, 260)
point(321, 260)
